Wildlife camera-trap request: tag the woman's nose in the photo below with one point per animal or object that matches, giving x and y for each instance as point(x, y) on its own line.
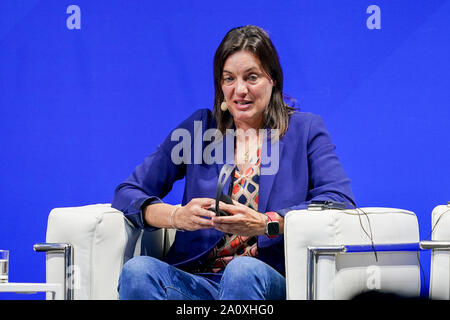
point(241, 87)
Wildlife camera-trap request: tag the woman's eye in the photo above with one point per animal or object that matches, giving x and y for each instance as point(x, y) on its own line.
point(227, 80)
point(252, 77)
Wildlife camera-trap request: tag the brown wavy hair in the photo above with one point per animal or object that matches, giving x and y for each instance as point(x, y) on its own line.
point(255, 40)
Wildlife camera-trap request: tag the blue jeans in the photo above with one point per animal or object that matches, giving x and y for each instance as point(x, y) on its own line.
point(244, 278)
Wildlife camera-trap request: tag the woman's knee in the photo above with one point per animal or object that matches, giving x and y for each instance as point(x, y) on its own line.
point(141, 276)
point(251, 278)
point(140, 266)
point(244, 267)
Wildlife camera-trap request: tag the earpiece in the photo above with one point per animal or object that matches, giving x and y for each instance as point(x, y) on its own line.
point(224, 106)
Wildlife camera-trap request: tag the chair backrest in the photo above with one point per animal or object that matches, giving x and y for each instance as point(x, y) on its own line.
point(440, 260)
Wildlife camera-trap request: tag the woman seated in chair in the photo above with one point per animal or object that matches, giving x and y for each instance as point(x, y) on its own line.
point(283, 160)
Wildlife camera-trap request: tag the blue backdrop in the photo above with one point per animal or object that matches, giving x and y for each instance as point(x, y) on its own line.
point(87, 92)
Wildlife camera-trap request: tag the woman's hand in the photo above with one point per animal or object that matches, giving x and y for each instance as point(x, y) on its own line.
point(243, 220)
point(194, 215)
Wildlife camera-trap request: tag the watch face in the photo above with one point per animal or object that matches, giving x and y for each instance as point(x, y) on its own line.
point(273, 228)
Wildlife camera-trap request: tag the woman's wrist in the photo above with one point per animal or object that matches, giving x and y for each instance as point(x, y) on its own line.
point(172, 218)
point(265, 219)
point(161, 215)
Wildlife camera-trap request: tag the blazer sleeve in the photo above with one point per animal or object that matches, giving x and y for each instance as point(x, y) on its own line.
point(327, 179)
point(148, 184)
point(153, 179)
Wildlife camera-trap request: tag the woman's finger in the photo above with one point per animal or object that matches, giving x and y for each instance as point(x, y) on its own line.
point(203, 222)
point(230, 208)
point(227, 220)
point(222, 227)
point(238, 204)
point(205, 202)
point(203, 212)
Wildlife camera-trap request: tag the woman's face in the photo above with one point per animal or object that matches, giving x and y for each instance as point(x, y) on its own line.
point(247, 89)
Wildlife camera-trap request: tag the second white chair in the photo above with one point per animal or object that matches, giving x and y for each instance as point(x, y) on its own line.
point(344, 275)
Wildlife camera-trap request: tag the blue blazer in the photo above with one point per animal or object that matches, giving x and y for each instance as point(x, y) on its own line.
point(308, 170)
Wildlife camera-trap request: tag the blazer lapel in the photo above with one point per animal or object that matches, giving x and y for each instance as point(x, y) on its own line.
point(270, 162)
point(227, 157)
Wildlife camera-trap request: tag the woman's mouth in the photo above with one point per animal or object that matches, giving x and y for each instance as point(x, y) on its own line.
point(243, 104)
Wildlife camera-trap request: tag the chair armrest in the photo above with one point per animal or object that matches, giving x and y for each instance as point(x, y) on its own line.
point(102, 240)
point(66, 250)
point(332, 250)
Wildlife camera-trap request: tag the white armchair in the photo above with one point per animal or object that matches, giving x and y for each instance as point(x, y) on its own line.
point(337, 275)
point(101, 240)
point(440, 256)
point(97, 240)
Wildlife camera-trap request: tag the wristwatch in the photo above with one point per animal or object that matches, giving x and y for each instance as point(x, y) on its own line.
point(272, 225)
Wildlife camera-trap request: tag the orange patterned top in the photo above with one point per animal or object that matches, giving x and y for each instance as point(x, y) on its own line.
point(245, 190)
